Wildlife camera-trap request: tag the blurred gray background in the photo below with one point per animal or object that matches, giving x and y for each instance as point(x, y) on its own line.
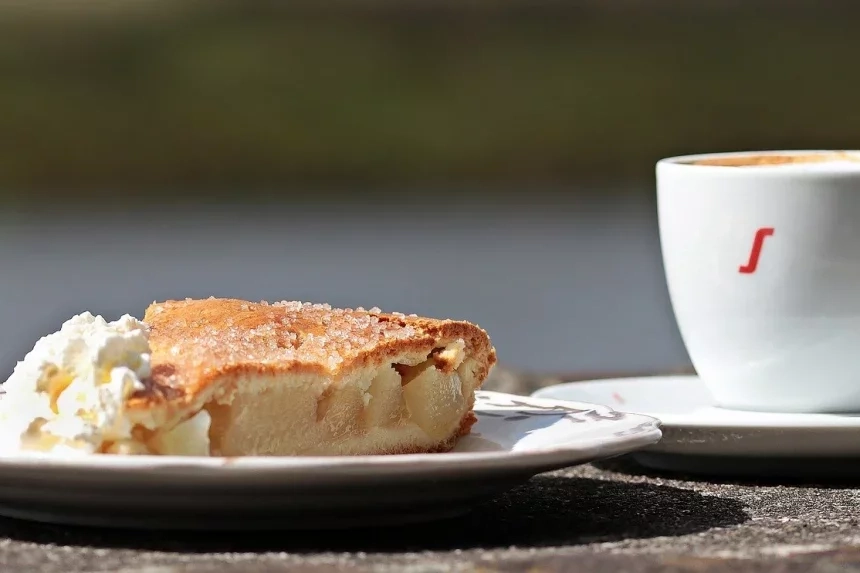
point(483, 160)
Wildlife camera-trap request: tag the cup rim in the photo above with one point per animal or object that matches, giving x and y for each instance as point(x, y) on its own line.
point(685, 162)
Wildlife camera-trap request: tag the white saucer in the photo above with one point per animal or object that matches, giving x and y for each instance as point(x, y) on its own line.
point(516, 437)
point(699, 437)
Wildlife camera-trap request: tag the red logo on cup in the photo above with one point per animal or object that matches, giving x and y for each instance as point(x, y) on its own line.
point(758, 241)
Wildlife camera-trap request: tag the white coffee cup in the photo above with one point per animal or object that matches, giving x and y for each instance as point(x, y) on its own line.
point(762, 259)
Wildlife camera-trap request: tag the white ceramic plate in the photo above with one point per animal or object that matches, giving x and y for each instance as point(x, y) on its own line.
point(699, 437)
point(516, 437)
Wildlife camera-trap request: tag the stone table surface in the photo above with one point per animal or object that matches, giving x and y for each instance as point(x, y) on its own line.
point(612, 517)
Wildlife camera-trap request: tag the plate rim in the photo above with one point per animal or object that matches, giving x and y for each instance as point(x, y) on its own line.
point(262, 466)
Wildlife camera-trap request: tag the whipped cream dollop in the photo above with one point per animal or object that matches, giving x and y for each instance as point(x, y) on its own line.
point(70, 393)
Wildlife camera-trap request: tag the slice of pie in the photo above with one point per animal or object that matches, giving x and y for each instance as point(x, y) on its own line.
point(294, 378)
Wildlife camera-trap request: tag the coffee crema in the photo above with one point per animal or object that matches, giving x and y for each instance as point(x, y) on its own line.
point(777, 159)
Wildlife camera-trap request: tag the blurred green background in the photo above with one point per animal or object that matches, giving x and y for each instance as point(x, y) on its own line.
point(485, 160)
point(227, 99)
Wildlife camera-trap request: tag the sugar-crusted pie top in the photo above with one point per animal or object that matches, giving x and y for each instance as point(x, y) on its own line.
point(195, 342)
